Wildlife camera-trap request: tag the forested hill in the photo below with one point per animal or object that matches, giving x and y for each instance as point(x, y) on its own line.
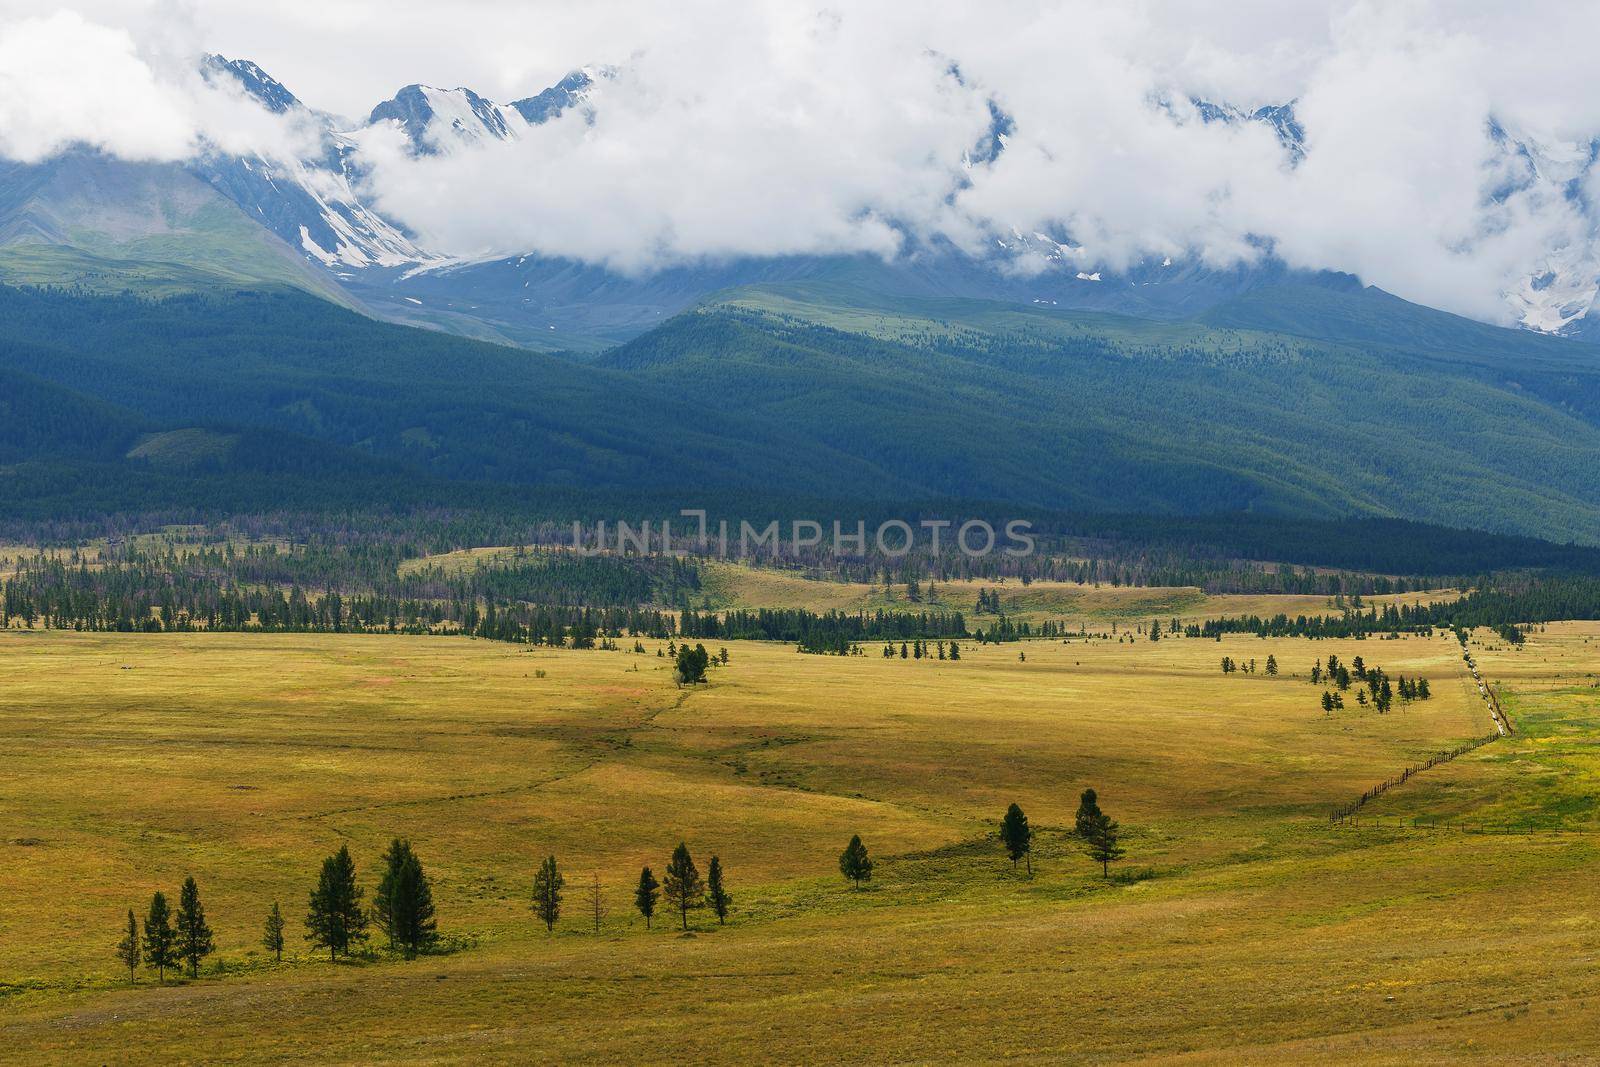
point(1495, 430)
point(835, 394)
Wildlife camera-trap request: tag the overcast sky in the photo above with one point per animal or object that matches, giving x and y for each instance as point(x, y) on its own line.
point(763, 127)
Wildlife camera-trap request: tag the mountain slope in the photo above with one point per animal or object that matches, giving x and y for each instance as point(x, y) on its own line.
point(87, 219)
point(820, 389)
point(1106, 411)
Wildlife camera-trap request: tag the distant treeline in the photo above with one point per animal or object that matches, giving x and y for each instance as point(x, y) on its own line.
point(336, 589)
point(828, 631)
point(537, 598)
point(1502, 607)
point(1218, 553)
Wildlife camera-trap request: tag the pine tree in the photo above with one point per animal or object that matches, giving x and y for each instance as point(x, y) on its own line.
point(547, 885)
point(683, 886)
point(1016, 835)
point(1272, 666)
point(160, 943)
point(645, 896)
point(716, 894)
point(403, 904)
point(334, 920)
point(272, 933)
point(1088, 811)
point(854, 863)
point(128, 948)
point(1102, 843)
point(194, 936)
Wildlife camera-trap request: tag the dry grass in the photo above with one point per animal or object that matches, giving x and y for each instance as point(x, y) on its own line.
point(1243, 928)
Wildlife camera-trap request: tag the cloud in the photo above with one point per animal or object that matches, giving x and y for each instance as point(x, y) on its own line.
point(766, 128)
point(67, 82)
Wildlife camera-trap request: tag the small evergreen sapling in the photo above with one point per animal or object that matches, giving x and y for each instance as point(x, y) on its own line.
point(128, 948)
point(272, 933)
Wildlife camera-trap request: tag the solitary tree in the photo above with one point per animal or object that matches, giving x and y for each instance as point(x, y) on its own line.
point(160, 943)
point(194, 936)
point(854, 863)
point(597, 902)
point(646, 895)
point(1088, 810)
point(403, 904)
point(1102, 843)
point(1272, 665)
point(272, 933)
point(1017, 836)
point(683, 886)
point(128, 948)
point(717, 894)
point(334, 920)
point(547, 884)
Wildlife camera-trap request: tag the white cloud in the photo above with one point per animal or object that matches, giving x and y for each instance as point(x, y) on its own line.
point(64, 80)
point(766, 127)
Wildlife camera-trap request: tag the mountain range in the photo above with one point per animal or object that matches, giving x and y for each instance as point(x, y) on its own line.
point(309, 221)
point(209, 337)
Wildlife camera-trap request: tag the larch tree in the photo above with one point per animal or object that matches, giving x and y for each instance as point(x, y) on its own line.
point(160, 942)
point(854, 863)
point(194, 936)
point(334, 918)
point(646, 895)
point(272, 933)
point(128, 948)
point(717, 893)
point(683, 886)
point(1017, 836)
point(403, 904)
point(1088, 810)
point(1102, 843)
point(547, 886)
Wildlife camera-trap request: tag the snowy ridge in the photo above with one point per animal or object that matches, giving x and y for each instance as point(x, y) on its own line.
point(320, 206)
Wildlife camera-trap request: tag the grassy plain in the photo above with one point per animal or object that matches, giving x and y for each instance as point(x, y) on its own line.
point(1241, 927)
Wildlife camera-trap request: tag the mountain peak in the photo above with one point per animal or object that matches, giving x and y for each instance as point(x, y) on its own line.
point(435, 119)
point(266, 89)
point(568, 92)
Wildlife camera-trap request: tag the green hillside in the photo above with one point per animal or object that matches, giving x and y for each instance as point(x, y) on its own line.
point(827, 392)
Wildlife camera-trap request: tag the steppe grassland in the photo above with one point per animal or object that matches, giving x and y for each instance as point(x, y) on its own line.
point(244, 758)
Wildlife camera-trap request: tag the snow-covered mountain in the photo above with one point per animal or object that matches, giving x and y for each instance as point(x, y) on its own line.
point(444, 120)
point(321, 226)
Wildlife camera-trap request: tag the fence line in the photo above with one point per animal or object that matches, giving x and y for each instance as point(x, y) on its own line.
point(1347, 811)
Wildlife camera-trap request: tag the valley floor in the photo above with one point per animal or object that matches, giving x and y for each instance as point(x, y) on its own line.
point(1241, 927)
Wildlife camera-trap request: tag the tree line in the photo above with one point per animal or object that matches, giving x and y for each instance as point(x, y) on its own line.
point(402, 909)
